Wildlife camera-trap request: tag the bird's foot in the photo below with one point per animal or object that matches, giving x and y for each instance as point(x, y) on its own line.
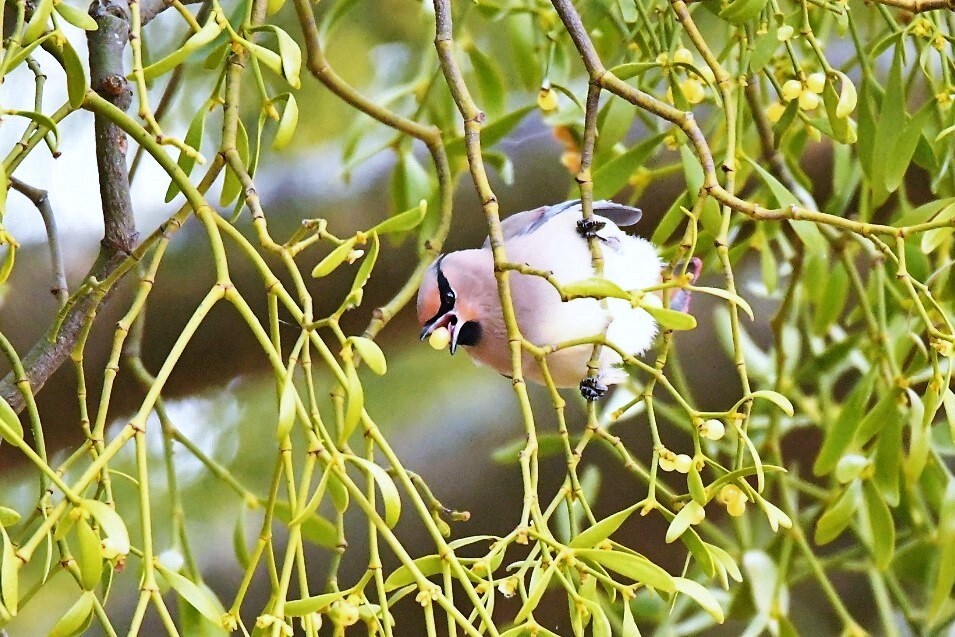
point(592, 389)
point(588, 228)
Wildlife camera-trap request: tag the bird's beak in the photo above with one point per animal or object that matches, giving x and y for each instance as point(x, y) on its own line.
point(448, 320)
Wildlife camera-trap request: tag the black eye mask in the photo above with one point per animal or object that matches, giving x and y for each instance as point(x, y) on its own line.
point(446, 294)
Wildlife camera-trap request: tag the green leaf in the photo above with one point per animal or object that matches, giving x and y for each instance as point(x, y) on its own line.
point(313, 604)
point(932, 239)
point(22, 53)
point(199, 597)
point(38, 21)
point(599, 624)
point(239, 545)
point(77, 17)
point(776, 398)
point(735, 299)
point(290, 55)
point(355, 402)
point(591, 537)
point(881, 526)
point(892, 119)
point(492, 133)
point(898, 161)
point(389, 492)
point(634, 567)
point(807, 231)
point(89, 555)
point(8, 517)
point(671, 319)
point(76, 82)
point(837, 515)
point(699, 594)
point(314, 502)
point(840, 433)
point(404, 575)
point(402, 221)
point(77, 619)
point(315, 528)
point(9, 574)
point(628, 70)
point(209, 31)
point(629, 627)
point(921, 413)
point(286, 406)
point(614, 121)
point(613, 176)
point(367, 264)
point(111, 524)
point(885, 411)
point(371, 353)
point(193, 138)
point(888, 461)
point(682, 520)
point(695, 485)
point(287, 123)
point(334, 259)
point(594, 287)
point(536, 592)
point(742, 11)
point(847, 96)
point(945, 578)
point(490, 81)
point(764, 49)
point(831, 300)
point(10, 428)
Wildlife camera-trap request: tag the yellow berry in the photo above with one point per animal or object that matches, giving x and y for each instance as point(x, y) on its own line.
point(808, 100)
point(784, 33)
point(697, 513)
point(663, 59)
point(816, 82)
point(547, 99)
point(729, 493)
point(736, 508)
point(667, 460)
point(712, 429)
point(692, 90)
point(775, 112)
point(439, 338)
point(682, 463)
point(791, 90)
point(682, 56)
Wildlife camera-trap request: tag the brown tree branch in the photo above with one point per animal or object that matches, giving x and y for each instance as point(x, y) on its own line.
point(107, 78)
point(40, 198)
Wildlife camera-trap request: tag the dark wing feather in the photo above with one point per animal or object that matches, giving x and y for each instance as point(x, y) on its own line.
point(529, 221)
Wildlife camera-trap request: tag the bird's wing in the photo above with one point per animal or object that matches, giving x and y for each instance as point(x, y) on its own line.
point(529, 221)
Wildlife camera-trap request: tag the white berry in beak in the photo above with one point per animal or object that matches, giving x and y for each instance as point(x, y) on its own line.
point(439, 338)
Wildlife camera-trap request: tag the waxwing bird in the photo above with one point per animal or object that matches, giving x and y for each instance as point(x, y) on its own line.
point(459, 294)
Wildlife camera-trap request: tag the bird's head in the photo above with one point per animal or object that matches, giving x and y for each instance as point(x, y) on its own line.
point(449, 298)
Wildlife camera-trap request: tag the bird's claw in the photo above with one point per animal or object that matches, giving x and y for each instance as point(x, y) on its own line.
point(592, 389)
point(588, 228)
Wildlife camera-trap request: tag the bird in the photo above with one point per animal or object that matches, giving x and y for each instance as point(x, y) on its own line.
point(459, 293)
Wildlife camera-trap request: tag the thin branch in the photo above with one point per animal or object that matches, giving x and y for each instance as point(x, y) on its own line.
point(108, 79)
point(919, 6)
point(40, 198)
point(149, 9)
point(687, 123)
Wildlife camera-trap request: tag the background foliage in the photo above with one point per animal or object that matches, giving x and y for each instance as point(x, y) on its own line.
point(812, 147)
